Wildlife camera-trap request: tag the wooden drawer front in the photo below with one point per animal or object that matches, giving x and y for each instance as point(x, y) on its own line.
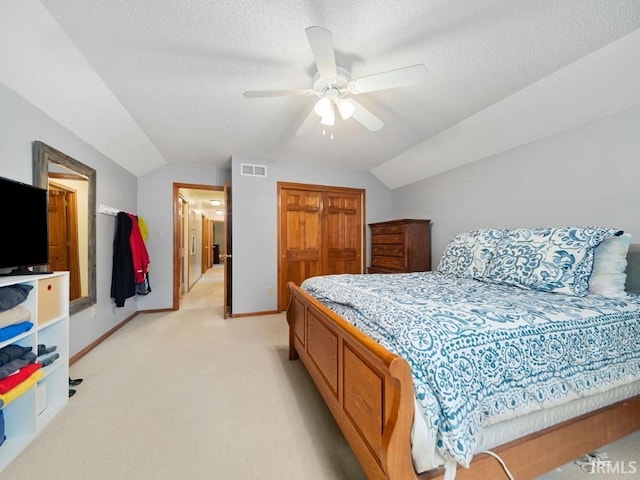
point(388, 262)
point(388, 250)
point(386, 229)
point(387, 239)
point(51, 298)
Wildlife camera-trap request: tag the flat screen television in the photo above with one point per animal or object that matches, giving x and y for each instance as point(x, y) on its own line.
point(24, 240)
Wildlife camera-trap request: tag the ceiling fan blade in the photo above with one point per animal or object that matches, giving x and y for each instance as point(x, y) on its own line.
point(321, 43)
point(400, 77)
point(365, 117)
point(300, 92)
point(309, 122)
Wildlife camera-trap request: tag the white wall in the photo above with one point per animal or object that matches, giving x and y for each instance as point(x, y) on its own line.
point(254, 224)
point(219, 236)
point(195, 249)
point(155, 204)
point(589, 175)
point(21, 124)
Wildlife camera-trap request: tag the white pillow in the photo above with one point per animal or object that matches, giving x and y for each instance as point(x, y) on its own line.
point(609, 263)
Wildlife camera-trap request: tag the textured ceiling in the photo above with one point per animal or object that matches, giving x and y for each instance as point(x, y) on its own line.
point(180, 68)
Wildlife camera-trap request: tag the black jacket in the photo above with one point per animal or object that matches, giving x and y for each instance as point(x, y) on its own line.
point(122, 276)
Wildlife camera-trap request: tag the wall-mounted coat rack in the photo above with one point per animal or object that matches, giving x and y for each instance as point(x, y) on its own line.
point(107, 210)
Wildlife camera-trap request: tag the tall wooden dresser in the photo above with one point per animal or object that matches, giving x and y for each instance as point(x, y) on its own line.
point(399, 246)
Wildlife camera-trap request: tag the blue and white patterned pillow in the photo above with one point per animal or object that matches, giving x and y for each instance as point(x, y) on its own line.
point(548, 259)
point(468, 254)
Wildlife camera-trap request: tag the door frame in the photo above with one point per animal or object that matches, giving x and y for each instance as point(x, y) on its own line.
point(176, 234)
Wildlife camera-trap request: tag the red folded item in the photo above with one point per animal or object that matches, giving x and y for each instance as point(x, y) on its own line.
point(7, 383)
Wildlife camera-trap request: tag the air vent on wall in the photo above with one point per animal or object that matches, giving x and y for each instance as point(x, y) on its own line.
point(253, 170)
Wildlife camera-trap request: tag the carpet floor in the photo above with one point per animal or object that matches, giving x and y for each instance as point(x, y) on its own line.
point(188, 394)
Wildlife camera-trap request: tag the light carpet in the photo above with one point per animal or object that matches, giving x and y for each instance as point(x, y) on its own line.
point(188, 394)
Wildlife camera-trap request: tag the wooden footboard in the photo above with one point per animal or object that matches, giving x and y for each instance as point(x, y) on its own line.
point(370, 394)
point(368, 390)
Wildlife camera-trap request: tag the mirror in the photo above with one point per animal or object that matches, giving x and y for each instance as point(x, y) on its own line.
point(72, 220)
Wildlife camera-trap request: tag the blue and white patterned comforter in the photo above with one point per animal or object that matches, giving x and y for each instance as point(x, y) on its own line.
point(481, 353)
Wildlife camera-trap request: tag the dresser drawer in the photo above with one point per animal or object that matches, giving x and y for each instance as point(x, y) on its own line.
point(388, 262)
point(388, 250)
point(386, 229)
point(387, 239)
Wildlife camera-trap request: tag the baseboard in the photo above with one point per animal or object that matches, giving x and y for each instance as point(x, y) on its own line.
point(158, 310)
point(254, 314)
point(99, 340)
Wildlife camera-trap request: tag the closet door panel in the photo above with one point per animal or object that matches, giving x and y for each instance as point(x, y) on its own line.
point(343, 233)
point(301, 239)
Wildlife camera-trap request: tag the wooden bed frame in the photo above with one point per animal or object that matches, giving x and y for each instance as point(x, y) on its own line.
point(369, 391)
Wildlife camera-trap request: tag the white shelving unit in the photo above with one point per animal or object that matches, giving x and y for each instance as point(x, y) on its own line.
point(25, 416)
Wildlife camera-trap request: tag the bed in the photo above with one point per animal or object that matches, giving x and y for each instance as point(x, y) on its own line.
point(353, 348)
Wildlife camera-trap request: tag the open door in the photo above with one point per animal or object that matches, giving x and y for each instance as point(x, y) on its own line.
point(227, 250)
point(187, 198)
point(183, 213)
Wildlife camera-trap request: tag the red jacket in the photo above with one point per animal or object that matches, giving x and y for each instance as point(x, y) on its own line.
point(139, 253)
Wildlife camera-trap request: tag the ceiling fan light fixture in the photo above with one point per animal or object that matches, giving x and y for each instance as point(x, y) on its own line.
point(346, 108)
point(329, 118)
point(323, 106)
point(333, 82)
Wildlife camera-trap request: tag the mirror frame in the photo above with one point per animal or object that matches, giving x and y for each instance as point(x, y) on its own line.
point(42, 155)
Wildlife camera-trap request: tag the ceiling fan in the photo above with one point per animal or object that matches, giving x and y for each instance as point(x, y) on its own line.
point(333, 85)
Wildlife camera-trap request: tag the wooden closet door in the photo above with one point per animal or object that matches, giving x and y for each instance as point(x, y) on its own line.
point(320, 233)
point(342, 233)
point(300, 238)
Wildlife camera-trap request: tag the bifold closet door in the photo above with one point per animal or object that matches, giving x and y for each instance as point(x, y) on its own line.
point(320, 232)
point(342, 233)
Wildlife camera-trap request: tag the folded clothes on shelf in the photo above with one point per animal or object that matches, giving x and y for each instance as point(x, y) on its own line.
point(14, 365)
point(11, 352)
point(18, 390)
point(43, 349)
point(13, 330)
point(49, 360)
point(7, 383)
point(14, 315)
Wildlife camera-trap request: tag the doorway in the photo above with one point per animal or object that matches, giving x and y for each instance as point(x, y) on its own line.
point(201, 251)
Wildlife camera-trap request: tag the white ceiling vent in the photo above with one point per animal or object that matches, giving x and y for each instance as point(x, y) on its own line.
point(253, 170)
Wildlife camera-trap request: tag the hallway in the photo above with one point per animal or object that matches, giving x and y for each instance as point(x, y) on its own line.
point(207, 292)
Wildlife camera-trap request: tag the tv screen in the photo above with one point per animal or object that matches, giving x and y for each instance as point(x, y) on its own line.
point(24, 239)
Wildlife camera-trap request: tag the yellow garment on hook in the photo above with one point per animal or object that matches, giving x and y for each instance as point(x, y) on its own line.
point(143, 228)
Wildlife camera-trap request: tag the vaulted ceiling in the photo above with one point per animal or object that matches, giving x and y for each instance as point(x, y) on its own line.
point(160, 82)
